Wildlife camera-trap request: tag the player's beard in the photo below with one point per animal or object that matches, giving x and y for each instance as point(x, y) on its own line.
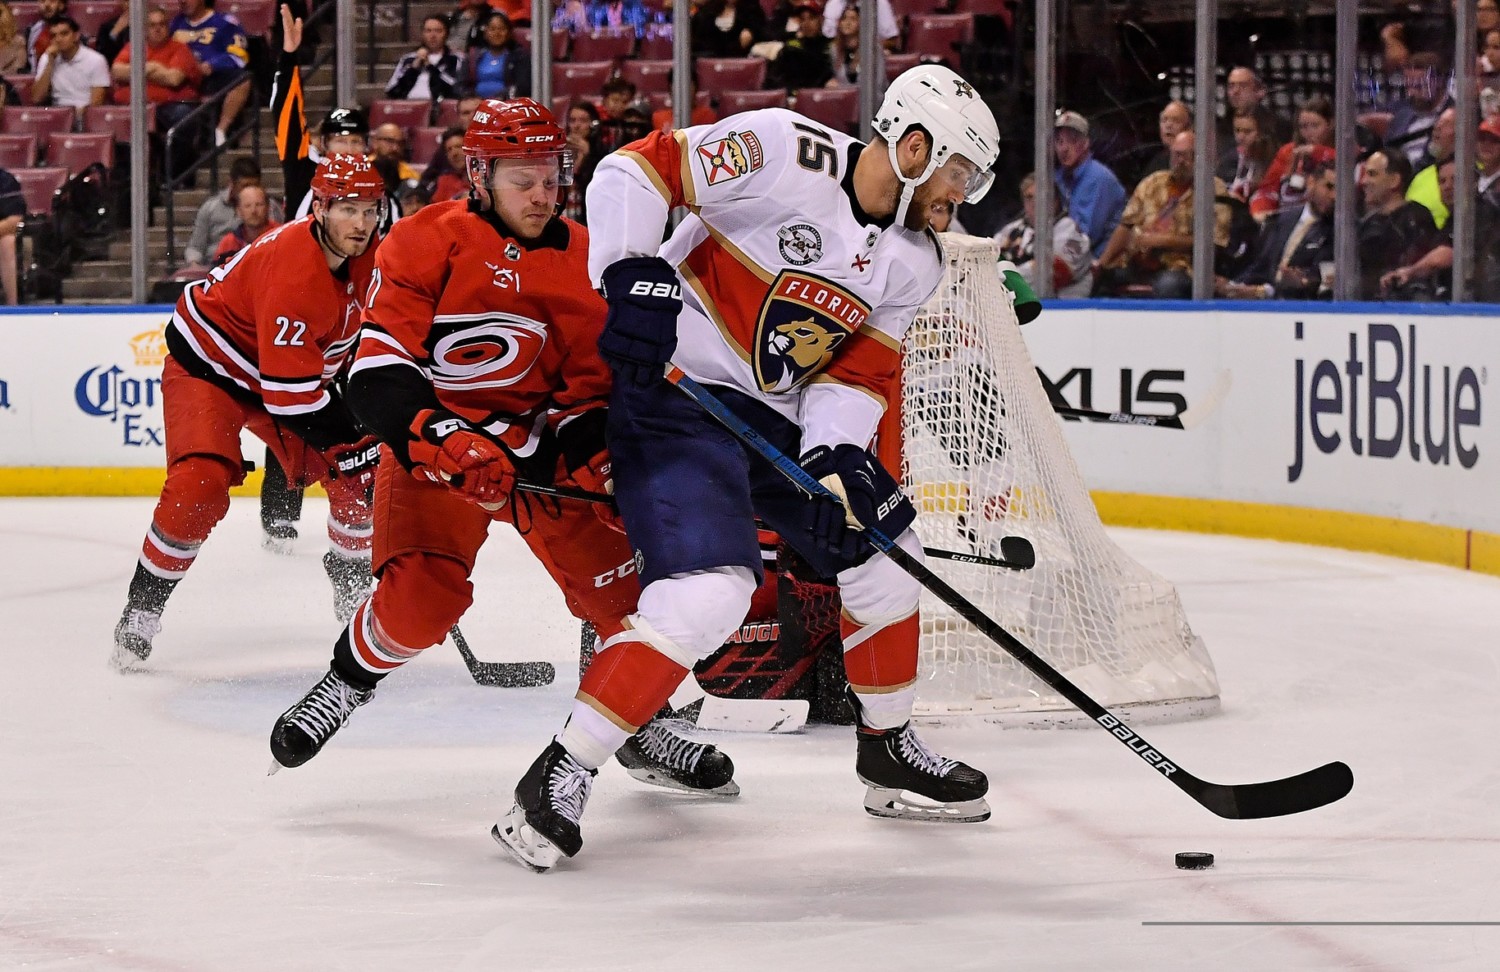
point(919, 213)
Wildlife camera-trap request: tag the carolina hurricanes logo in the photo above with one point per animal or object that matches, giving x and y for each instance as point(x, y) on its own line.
point(491, 350)
point(802, 322)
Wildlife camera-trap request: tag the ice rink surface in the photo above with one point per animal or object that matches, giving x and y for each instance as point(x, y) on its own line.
point(139, 831)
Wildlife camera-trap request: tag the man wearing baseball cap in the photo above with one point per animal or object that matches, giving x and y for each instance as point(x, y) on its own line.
point(804, 60)
point(1093, 195)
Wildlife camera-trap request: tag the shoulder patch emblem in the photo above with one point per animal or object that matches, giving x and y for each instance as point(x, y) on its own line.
point(730, 157)
point(800, 244)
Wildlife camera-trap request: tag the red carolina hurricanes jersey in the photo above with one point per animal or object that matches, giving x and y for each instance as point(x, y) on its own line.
point(274, 321)
point(505, 332)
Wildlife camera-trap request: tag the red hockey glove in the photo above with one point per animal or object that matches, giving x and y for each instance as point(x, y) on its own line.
point(447, 449)
point(355, 460)
point(595, 476)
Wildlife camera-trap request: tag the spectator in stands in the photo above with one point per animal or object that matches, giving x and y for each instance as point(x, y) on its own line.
point(253, 207)
point(14, 57)
point(114, 35)
point(618, 13)
point(171, 82)
point(1244, 166)
point(69, 73)
point(1424, 185)
point(1072, 262)
point(445, 176)
point(388, 155)
point(12, 213)
point(1089, 190)
point(1154, 241)
point(1245, 92)
point(615, 95)
point(1394, 231)
point(1487, 154)
point(885, 23)
point(582, 126)
point(1413, 118)
point(219, 44)
point(1285, 183)
point(412, 199)
point(727, 28)
point(499, 67)
point(1487, 74)
point(466, 106)
point(517, 12)
point(1430, 276)
point(37, 37)
point(806, 59)
point(845, 51)
point(432, 72)
point(1296, 245)
point(1173, 120)
point(217, 215)
point(464, 23)
point(661, 119)
point(572, 16)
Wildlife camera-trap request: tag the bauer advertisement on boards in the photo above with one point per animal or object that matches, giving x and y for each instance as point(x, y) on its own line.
point(1363, 412)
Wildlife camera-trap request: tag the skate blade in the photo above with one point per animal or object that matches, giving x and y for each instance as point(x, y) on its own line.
point(897, 805)
point(730, 789)
point(528, 847)
point(275, 768)
point(125, 661)
point(283, 546)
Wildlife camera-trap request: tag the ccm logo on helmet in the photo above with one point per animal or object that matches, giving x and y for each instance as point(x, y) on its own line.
point(645, 288)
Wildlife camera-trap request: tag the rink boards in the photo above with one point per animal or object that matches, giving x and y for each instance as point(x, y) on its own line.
point(1363, 426)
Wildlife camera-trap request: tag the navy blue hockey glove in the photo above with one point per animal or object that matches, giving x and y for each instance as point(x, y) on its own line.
point(640, 333)
point(870, 495)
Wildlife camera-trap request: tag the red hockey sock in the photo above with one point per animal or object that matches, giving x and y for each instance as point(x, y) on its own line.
point(628, 681)
point(882, 658)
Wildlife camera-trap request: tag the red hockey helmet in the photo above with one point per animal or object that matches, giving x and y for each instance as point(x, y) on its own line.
point(519, 129)
point(347, 177)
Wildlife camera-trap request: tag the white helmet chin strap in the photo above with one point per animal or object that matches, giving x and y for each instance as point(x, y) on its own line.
point(908, 186)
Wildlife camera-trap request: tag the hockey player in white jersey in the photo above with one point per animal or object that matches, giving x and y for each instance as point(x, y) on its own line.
point(787, 291)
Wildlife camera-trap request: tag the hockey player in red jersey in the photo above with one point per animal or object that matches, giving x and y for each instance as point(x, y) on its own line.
point(478, 366)
point(257, 345)
point(787, 290)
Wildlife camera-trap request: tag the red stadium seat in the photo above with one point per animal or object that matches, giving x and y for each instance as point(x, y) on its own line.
point(895, 64)
point(425, 144)
point(17, 152)
point(837, 108)
point(22, 83)
point(27, 12)
point(93, 14)
point(407, 114)
point(39, 187)
point(988, 8)
point(649, 77)
point(731, 73)
point(27, 120)
point(906, 8)
point(560, 105)
point(115, 119)
point(734, 102)
point(581, 78)
point(560, 50)
point(256, 16)
point(657, 44)
point(605, 44)
point(938, 35)
point(447, 114)
point(76, 152)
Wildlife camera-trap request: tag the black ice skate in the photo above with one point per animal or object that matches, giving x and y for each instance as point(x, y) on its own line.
point(351, 581)
point(894, 763)
point(542, 827)
point(302, 730)
point(658, 755)
point(133, 637)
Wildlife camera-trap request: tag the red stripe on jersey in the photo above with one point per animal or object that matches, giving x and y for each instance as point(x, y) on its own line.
point(731, 290)
point(864, 362)
point(661, 155)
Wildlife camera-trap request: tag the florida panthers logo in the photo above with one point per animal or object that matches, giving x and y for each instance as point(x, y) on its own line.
point(802, 322)
point(490, 350)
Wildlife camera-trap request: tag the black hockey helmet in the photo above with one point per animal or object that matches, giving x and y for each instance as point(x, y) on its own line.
point(345, 121)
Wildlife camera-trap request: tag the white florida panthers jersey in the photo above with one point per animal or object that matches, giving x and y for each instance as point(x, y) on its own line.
point(791, 292)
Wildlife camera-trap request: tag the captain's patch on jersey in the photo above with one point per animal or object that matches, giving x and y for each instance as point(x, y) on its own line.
point(730, 157)
point(802, 322)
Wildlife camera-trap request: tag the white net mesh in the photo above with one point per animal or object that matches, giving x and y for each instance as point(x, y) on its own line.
point(984, 458)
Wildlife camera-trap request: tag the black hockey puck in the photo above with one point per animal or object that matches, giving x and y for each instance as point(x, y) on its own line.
point(1195, 860)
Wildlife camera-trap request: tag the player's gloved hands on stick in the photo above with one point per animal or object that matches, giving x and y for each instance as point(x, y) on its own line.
point(870, 497)
point(595, 475)
point(447, 449)
point(640, 333)
point(356, 460)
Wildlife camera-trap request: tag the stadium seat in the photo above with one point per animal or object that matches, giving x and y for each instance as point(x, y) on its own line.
point(256, 16)
point(28, 120)
point(734, 102)
point(895, 64)
point(447, 113)
point(17, 152)
point(835, 107)
point(988, 8)
point(425, 144)
point(115, 119)
point(581, 78)
point(39, 186)
point(731, 73)
point(22, 83)
point(76, 152)
point(27, 12)
point(560, 105)
point(656, 45)
point(938, 35)
point(407, 114)
point(93, 14)
point(903, 9)
point(649, 77)
point(605, 44)
point(560, 39)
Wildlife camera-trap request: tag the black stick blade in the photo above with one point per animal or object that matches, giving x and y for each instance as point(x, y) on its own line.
point(1019, 551)
point(1275, 798)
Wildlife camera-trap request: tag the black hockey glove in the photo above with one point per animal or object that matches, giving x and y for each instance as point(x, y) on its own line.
point(640, 333)
point(871, 498)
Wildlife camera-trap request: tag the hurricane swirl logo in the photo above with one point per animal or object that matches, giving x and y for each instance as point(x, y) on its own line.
point(485, 351)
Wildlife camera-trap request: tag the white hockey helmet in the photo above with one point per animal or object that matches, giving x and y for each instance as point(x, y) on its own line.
point(952, 113)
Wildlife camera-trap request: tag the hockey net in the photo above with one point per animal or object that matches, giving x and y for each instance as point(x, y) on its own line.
point(983, 457)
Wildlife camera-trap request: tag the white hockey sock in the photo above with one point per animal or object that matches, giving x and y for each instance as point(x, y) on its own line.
point(886, 710)
point(590, 737)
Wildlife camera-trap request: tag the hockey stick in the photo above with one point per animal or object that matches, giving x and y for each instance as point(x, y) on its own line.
point(1016, 553)
point(1273, 798)
point(502, 674)
point(1187, 419)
